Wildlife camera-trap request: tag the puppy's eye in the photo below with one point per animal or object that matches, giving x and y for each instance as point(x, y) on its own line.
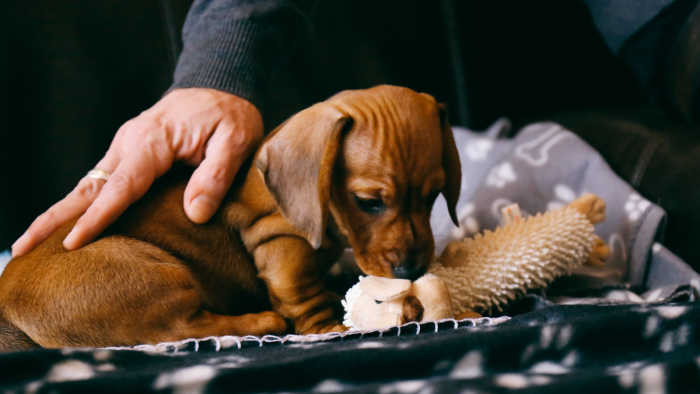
point(370, 205)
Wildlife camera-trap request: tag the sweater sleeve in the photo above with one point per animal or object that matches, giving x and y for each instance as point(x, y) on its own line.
point(232, 45)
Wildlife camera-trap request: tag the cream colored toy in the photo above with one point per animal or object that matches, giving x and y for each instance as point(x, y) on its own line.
point(483, 273)
point(377, 302)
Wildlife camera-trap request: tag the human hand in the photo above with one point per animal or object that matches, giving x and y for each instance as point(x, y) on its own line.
point(207, 128)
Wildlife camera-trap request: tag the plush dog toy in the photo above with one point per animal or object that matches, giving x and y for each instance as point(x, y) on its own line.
point(484, 273)
point(376, 302)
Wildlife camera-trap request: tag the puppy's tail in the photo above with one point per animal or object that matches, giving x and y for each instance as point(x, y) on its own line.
point(13, 339)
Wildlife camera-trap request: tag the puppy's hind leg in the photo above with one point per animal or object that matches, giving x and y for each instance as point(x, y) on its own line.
point(13, 339)
point(206, 324)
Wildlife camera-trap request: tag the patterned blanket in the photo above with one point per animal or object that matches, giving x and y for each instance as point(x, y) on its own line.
point(579, 348)
point(631, 327)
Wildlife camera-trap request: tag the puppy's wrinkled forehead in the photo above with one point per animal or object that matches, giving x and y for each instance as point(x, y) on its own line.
point(396, 134)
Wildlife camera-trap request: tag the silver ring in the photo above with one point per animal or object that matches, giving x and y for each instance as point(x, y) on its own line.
point(98, 174)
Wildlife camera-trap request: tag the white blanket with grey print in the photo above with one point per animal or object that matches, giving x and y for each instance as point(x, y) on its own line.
point(544, 167)
point(608, 338)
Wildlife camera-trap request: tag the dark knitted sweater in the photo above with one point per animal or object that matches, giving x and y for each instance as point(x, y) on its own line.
point(235, 45)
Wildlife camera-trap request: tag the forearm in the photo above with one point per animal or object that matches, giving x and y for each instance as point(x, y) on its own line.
point(234, 45)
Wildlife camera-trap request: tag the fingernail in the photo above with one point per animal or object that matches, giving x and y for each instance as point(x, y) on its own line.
point(201, 208)
point(69, 240)
point(16, 246)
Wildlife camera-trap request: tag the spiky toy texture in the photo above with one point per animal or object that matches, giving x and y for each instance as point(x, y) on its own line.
point(486, 272)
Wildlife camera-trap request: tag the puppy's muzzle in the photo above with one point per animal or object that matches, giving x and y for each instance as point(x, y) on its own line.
point(410, 268)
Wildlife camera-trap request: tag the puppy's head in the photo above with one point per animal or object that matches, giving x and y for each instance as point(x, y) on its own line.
point(374, 159)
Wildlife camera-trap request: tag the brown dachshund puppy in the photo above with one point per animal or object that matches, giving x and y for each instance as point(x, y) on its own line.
point(362, 168)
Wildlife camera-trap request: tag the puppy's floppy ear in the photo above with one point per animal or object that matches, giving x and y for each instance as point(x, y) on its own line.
point(296, 163)
point(450, 164)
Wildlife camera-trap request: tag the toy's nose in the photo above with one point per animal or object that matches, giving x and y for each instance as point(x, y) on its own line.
point(409, 269)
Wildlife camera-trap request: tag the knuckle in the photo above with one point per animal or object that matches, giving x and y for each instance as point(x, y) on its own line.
point(121, 184)
point(140, 126)
point(125, 127)
point(151, 138)
point(143, 132)
point(47, 217)
point(44, 224)
point(230, 135)
point(130, 127)
point(88, 189)
point(238, 140)
point(219, 175)
point(157, 149)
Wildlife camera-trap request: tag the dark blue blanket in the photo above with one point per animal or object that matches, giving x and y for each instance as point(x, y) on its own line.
point(623, 348)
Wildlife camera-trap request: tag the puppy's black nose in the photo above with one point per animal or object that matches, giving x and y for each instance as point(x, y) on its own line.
point(408, 271)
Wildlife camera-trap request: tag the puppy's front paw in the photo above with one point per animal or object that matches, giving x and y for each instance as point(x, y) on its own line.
point(268, 323)
point(468, 314)
point(333, 328)
point(325, 328)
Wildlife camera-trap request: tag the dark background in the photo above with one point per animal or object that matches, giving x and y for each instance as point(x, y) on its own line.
point(78, 69)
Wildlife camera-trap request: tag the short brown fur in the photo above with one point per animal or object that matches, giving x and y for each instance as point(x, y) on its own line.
point(259, 263)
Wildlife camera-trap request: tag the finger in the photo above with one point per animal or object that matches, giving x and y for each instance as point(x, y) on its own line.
point(225, 152)
point(129, 182)
point(74, 204)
